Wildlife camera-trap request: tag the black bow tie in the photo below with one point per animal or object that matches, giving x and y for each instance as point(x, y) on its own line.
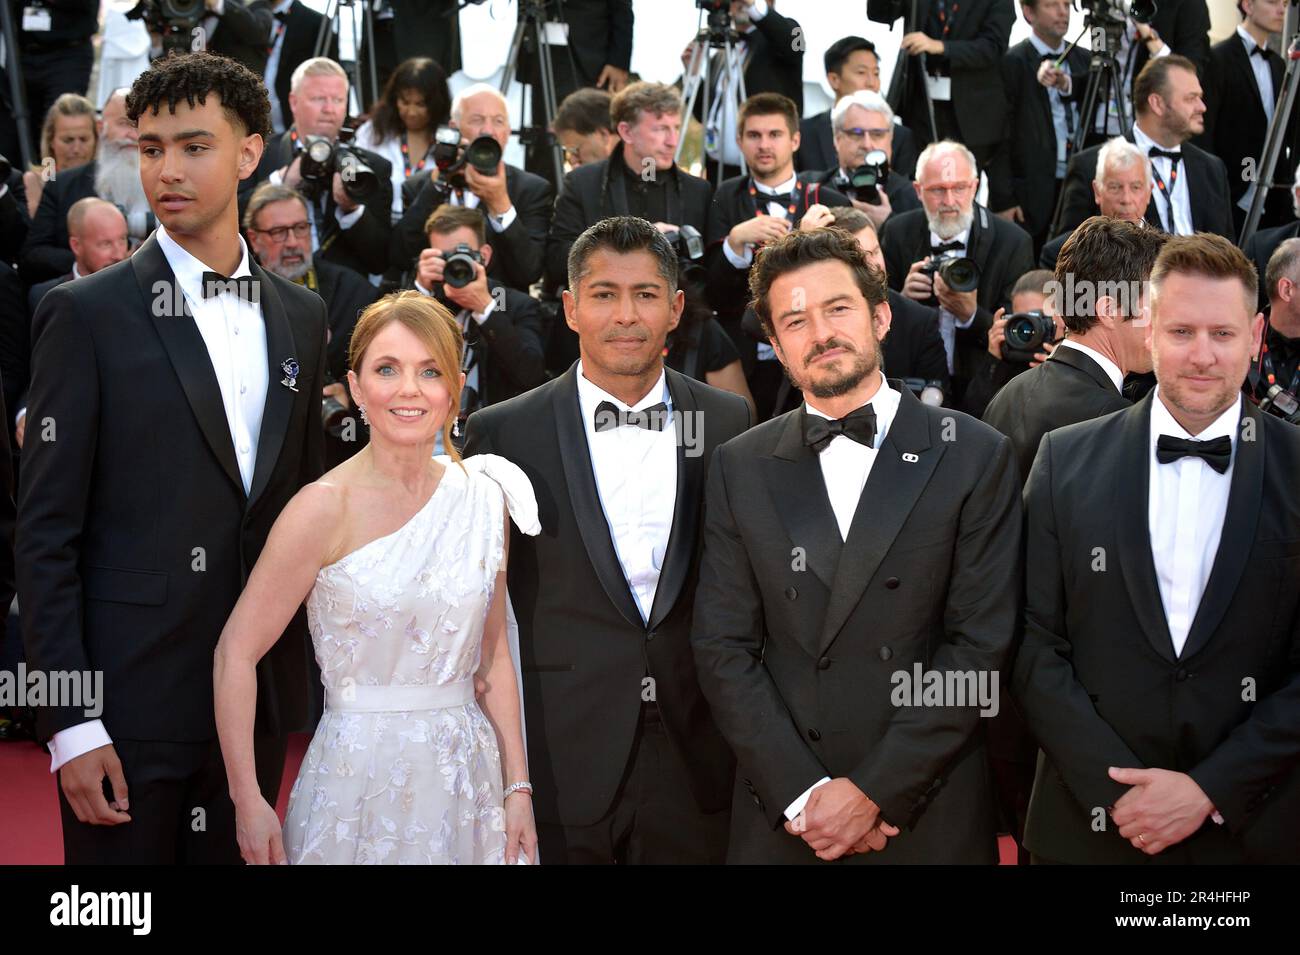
point(1155, 152)
point(1051, 56)
point(1216, 452)
point(608, 417)
point(784, 198)
point(859, 425)
point(282, 16)
point(1259, 51)
point(214, 283)
point(943, 247)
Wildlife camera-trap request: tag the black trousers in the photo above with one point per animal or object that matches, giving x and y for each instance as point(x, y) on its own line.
point(654, 819)
point(49, 74)
point(180, 807)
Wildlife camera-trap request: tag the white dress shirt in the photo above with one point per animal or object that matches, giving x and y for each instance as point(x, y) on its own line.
point(846, 465)
point(1181, 223)
point(235, 335)
point(948, 322)
point(778, 210)
point(636, 480)
point(278, 125)
point(471, 201)
point(1062, 121)
point(1263, 80)
point(1109, 367)
point(1187, 501)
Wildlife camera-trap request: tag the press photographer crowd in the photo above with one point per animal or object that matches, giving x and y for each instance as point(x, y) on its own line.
point(909, 481)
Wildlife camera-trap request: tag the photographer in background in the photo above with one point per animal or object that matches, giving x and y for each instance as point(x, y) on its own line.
point(952, 235)
point(864, 132)
point(1278, 361)
point(346, 229)
point(1121, 188)
point(1035, 330)
point(583, 127)
point(239, 30)
point(502, 327)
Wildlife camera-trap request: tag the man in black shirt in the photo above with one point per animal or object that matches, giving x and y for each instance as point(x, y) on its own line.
point(1278, 361)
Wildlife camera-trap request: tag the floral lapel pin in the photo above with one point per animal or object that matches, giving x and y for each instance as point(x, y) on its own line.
point(290, 369)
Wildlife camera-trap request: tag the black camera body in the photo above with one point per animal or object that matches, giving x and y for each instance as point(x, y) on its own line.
point(458, 268)
point(1116, 12)
point(321, 159)
point(1281, 404)
point(174, 20)
point(689, 245)
point(867, 179)
point(958, 272)
point(451, 156)
point(1027, 333)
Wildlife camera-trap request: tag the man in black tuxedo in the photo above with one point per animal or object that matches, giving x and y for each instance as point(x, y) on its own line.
point(851, 65)
point(627, 763)
point(952, 224)
point(1121, 187)
point(517, 204)
point(1242, 92)
point(502, 327)
point(162, 447)
point(239, 29)
point(864, 124)
point(851, 554)
point(750, 210)
point(953, 55)
point(292, 41)
point(1162, 623)
point(1192, 193)
point(1043, 101)
point(344, 231)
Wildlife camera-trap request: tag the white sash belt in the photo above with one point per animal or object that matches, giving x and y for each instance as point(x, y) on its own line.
point(398, 699)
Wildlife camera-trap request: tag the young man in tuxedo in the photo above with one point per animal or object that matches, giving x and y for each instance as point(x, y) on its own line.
point(852, 64)
point(625, 759)
point(750, 210)
point(1192, 193)
point(1121, 187)
point(860, 544)
point(951, 224)
point(1162, 622)
point(175, 408)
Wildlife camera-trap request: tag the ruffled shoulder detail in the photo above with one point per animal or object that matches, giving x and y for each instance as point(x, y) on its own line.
point(520, 499)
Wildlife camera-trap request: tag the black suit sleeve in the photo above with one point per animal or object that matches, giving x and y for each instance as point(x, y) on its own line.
point(980, 619)
point(250, 25)
point(567, 225)
point(620, 35)
point(58, 465)
point(408, 237)
point(513, 335)
point(368, 238)
point(313, 459)
point(1222, 222)
point(520, 250)
point(8, 510)
point(1191, 36)
point(884, 11)
point(986, 49)
point(1077, 202)
point(727, 636)
point(1056, 706)
point(14, 220)
point(46, 253)
point(780, 34)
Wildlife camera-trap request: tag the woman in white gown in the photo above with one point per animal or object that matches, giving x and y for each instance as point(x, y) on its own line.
point(401, 560)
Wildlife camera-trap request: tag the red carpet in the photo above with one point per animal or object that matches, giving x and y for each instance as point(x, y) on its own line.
point(30, 832)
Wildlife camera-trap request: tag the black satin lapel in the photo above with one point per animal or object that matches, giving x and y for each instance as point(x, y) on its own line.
point(1133, 530)
point(187, 351)
point(890, 494)
point(585, 499)
point(279, 399)
point(1240, 526)
point(682, 537)
point(794, 480)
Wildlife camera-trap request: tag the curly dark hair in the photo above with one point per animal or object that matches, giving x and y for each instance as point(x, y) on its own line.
point(798, 249)
point(420, 75)
point(191, 77)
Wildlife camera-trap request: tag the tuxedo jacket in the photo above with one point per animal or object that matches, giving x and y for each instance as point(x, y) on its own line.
point(798, 634)
point(600, 33)
point(1097, 677)
point(817, 147)
point(362, 248)
point(15, 342)
point(509, 347)
point(1051, 251)
point(1185, 26)
point(242, 33)
point(517, 253)
point(45, 253)
point(347, 294)
point(1207, 189)
point(1023, 172)
point(14, 218)
point(1067, 388)
point(301, 27)
point(1260, 247)
point(913, 347)
point(596, 191)
point(584, 647)
point(1002, 250)
point(1236, 122)
point(136, 535)
point(977, 39)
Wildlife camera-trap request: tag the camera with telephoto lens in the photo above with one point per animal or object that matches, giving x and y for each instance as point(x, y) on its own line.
point(1027, 333)
point(689, 245)
point(322, 158)
point(334, 414)
point(173, 20)
point(960, 273)
point(1117, 11)
point(867, 179)
point(451, 157)
point(1281, 404)
point(458, 268)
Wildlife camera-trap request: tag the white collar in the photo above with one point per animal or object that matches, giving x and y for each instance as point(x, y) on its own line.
point(1249, 40)
point(189, 270)
point(787, 186)
point(1043, 48)
point(1109, 367)
point(282, 7)
point(963, 237)
point(591, 394)
point(76, 272)
point(1162, 422)
point(1144, 142)
point(884, 403)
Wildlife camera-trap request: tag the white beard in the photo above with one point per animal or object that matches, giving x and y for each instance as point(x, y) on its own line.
point(294, 272)
point(952, 227)
point(117, 179)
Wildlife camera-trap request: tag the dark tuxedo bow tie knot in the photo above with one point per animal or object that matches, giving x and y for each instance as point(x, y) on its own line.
point(1156, 152)
point(1259, 51)
point(860, 425)
point(608, 417)
point(943, 247)
point(214, 283)
point(1216, 452)
point(784, 198)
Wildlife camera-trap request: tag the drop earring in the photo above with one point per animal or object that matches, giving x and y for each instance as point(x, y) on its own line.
point(364, 420)
point(455, 428)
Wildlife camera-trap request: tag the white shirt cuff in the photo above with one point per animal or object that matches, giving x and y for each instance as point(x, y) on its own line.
point(740, 262)
point(18, 418)
point(481, 317)
point(500, 224)
point(76, 741)
point(757, 10)
point(1163, 51)
point(218, 8)
point(796, 807)
point(957, 321)
point(348, 219)
point(422, 290)
point(276, 178)
point(4, 189)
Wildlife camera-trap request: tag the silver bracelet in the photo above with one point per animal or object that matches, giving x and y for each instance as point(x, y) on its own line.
point(520, 787)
